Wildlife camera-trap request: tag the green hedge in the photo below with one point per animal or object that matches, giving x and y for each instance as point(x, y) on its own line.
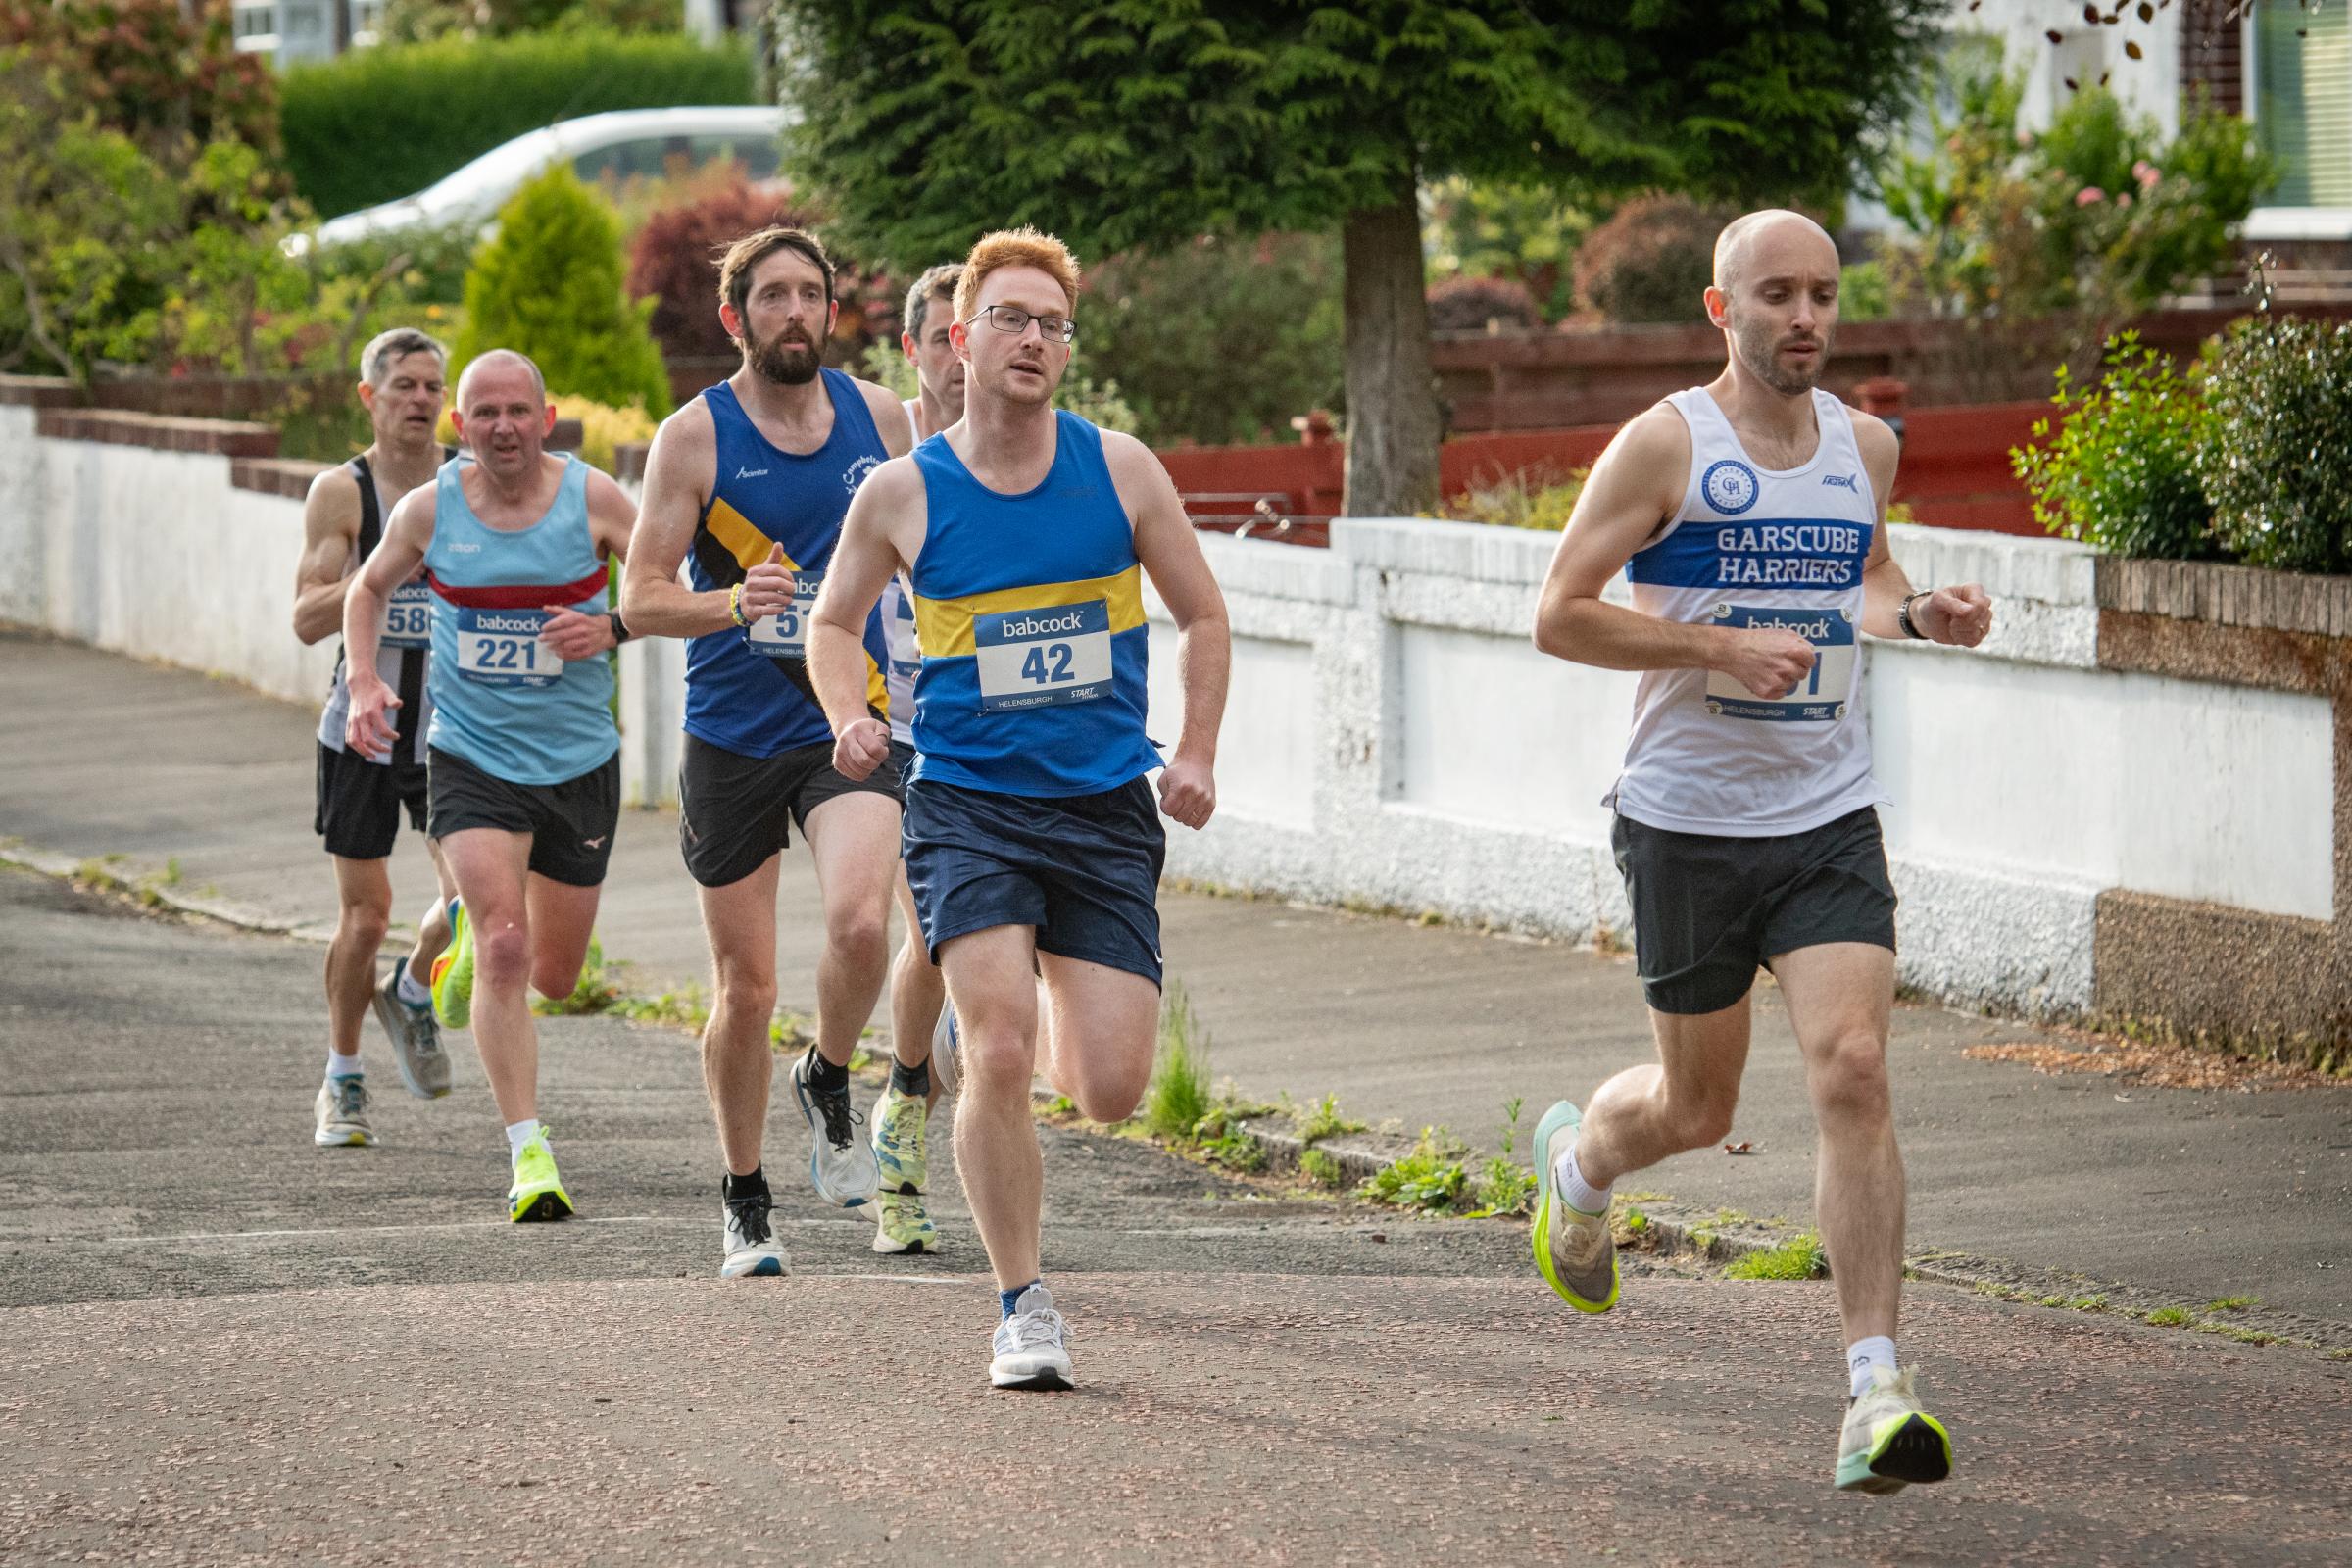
point(381, 123)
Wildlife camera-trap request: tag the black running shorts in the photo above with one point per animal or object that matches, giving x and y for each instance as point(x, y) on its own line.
point(1708, 910)
point(360, 803)
point(735, 812)
point(1084, 869)
point(571, 823)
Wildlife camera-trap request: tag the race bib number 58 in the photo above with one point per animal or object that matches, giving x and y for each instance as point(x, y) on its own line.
point(785, 634)
point(1031, 658)
point(501, 648)
point(1820, 695)
point(409, 618)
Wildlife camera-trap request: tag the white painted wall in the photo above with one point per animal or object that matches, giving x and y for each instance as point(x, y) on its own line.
point(1394, 736)
point(2150, 85)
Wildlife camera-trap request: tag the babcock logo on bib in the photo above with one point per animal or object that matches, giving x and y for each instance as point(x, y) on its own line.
point(1728, 486)
point(520, 625)
point(1043, 625)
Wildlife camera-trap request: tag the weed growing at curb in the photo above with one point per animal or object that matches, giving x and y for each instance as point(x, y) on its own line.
point(1430, 1178)
point(1321, 1169)
point(1179, 1096)
point(596, 990)
point(685, 1007)
point(1505, 1186)
point(1325, 1121)
point(2168, 1317)
point(1799, 1258)
point(2232, 1303)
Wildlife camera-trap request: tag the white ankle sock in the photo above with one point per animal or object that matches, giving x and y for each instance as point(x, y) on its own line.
point(1581, 1196)
point(409, 991)
point(339, 1066)
point(520, 1133)
point(1862, 1356)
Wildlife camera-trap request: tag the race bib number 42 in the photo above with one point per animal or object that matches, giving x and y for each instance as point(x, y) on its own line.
point(1822, 695)
point(785, 634)
point(409, 618)
point(501, 648)
point(1031, 658)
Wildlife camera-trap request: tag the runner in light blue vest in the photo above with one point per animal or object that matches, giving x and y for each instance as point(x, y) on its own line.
point(1033, 843)
point(524, 767)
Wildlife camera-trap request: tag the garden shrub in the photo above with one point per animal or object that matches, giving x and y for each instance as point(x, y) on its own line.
point(376, 125)
point(2278, 465)
point(1651, 261)
point(1482, 305)
point(1540, 498)
point(549, 285)
point(2120, 470)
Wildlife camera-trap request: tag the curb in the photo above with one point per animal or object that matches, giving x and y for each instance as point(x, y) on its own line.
point(142, 886)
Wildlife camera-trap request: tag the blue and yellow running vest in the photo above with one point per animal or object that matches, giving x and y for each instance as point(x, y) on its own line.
point(501, 701)
point(748, 692)
point(1030, 610)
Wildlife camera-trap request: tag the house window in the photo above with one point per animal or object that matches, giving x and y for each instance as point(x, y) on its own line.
point(2303, 101)
point(255, 22)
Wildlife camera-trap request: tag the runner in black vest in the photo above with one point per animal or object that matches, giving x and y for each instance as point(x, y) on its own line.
point(361, 798)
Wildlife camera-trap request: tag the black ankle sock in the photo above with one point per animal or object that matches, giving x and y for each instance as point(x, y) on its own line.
point(823, 1075)
point(913, 1082)
point(752, 1185)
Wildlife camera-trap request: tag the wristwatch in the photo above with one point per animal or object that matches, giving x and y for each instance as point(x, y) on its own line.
point(1902, 616)
point(620, 628)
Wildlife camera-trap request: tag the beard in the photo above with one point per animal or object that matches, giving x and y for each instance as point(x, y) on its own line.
point(1759, 345)
point(783, 362)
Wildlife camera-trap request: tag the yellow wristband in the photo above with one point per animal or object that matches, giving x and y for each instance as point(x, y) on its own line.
point(735, 606)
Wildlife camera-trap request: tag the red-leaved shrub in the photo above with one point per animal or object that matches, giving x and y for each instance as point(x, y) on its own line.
point(1651, 261)
point(1483, 303)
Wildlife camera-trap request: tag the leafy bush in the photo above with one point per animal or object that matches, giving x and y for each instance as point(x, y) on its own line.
point(673, 258)
point(2278, 465)
point(417, 21)
point(1220, 341)
point(1531, 498)
point(1651, 261)
point(2121, 471)
point(605, 430)
point(1525, 235)
point(1482, 305)
point(549, 285)
point(376, 125)
point(1864, 293)
point(430, 261)
point(163, 75)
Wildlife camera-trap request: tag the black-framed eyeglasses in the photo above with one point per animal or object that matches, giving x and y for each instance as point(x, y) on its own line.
point(1015, 321)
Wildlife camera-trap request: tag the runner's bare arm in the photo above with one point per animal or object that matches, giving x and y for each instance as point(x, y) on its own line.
point(679, 474)
point(1170, 552)
point(875, 538)
point(1961, 616)
point(330, 530)
point(1635, 488)
point(569, 634)
point(407, 533)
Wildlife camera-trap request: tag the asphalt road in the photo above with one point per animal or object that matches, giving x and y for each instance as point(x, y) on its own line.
point(220, 1345)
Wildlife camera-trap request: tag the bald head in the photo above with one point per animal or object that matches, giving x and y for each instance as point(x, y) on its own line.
point(1774, 239)
point(495, 374)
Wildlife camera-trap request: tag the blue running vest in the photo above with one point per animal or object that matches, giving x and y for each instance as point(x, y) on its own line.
point(748, 692)
point(1030, 612)
point(501, 701)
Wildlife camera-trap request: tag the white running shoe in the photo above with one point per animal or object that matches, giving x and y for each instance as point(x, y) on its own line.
point(1033, 1346)
point(416, 1036)
point(341, 1111)
point(841, 1165)
point(751, 1249)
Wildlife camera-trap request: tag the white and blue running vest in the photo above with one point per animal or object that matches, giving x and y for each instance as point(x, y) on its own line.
point(899, 635)
point(1752, 546)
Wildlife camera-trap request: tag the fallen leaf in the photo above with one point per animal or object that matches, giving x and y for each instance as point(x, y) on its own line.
point(1744, 1147)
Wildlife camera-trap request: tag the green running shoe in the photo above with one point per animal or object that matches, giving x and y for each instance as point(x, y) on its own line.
point(1574, 1250)
point(537, 1195)
point(897, 1138)
point(1889, 1441)
point(905, 1225)
point(453, 972)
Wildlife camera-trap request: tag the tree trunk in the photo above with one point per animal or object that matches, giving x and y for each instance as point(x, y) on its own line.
point(1392, 400)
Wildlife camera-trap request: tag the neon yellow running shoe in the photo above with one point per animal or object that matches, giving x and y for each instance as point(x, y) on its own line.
point(453, 972)
point(896, 1134)
point(1574, 1250)
point(537, 1195)
point(1887, 1442)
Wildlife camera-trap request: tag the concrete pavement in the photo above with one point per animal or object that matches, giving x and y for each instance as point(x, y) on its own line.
point(2190, 1194)
point(218, 1345)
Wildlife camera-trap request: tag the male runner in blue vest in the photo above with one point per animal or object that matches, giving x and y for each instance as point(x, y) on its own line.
point(1032, 842)
point(1749, 516)
point(526, 759)
point(361, 798)
point(746, 487)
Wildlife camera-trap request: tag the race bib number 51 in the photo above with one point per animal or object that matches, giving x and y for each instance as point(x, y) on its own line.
point(501, 648)
point(1820, 695)
point(409, 618)
point(1031, 658)
point(785, 634)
